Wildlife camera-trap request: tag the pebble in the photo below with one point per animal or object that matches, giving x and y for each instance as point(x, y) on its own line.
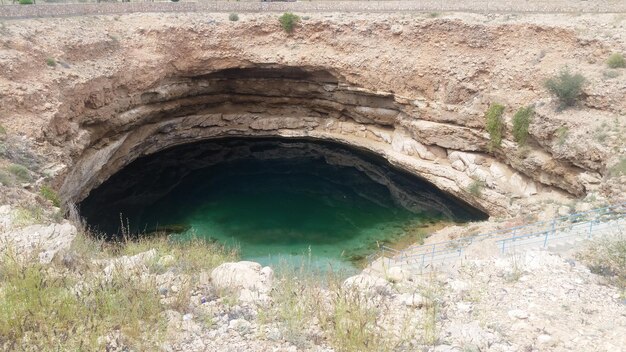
point(544, 339)
point(518, 314)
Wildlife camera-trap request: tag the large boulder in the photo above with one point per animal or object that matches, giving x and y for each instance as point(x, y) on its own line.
point(45, 241)
point(366, 283)
point(243, 276)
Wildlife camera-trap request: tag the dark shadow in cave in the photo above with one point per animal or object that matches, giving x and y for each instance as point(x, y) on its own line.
point(271, 195)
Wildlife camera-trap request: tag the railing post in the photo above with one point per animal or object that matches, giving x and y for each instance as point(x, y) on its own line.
point(545, 241)
point(590, 228)
point(503, 244)
point(432, 257)
point(423, 259)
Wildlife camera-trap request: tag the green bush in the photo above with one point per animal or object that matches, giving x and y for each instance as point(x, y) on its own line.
point(26, 2)
point(494, 124)
point(521, 122)
point(49, 194)
point(3, 131)
point(20, 172)
point(288, 21)
point(51, 62)
point(476, 188)
point(566, 86)
point(616, 60)
point(233, 17)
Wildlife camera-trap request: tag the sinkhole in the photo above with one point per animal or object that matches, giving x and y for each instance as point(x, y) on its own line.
point(290, 200)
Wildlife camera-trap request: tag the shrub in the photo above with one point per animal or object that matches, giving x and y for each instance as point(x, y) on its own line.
point(233, 17)
point(5, 179)
point(521, 122)
point(20, 172)
point(616, 60)
point(51, 62)
point(288, 21)
point(610, 74)
point(26, 2)
point(476, 188)
point(49, 194)
point(3, 131)
point(566, 86)
point(607, 256)
point(494, 124)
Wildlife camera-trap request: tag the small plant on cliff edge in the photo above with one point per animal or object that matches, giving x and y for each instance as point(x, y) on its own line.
point(26, 2)
point(616, 60)
point(49, 194)
point(494, 124)
point(3, 131)
point(476, 188)
point(566, 86)
point(233, 17)
point(288, 21)
point(51, 62)
point(21, 172)
point(521, 122)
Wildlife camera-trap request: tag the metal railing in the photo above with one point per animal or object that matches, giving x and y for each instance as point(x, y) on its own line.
point(541, 232)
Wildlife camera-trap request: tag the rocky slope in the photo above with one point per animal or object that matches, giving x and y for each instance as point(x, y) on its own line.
point(93, 93)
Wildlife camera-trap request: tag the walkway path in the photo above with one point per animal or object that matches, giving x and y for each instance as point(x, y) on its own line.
point(559, 234)
point(491, 6)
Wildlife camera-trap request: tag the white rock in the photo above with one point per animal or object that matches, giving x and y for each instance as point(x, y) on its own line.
point(544, 339)
point(47, 240)
point(458, 165)
point(396, 29)
point(244, 274)
point(126, 264)
point(365, 282)
point(517, 314)
point(396, 274)
point(459, 286)
point(414, 300)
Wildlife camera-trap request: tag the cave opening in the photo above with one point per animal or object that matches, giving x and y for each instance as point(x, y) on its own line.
point(275, 199)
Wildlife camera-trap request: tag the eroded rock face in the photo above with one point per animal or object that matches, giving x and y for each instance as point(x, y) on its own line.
point(417, 103)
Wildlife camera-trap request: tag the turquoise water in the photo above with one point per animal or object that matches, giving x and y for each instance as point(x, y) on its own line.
point(273, 200)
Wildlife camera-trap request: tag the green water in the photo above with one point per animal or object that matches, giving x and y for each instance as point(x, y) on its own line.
point(273, 209)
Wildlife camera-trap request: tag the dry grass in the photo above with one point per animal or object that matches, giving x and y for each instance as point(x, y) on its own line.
point(606, 256)
point(71, 305)
point(349, 319)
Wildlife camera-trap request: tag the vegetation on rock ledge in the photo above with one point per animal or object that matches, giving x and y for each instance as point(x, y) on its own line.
point(288, 21)
point(566, 86)
point(521, 123)
point(494, 125)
